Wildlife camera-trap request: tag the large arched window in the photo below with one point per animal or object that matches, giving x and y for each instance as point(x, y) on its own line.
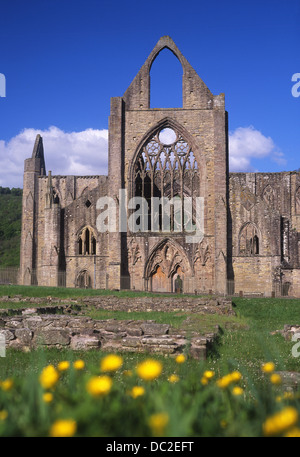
point(249, 240)
point(167, 167)
point(87, 242)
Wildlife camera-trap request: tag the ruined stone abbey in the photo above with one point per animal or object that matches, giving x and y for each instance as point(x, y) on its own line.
point(251, 221)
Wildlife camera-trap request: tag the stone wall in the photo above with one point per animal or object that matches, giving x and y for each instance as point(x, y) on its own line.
point(32, 328)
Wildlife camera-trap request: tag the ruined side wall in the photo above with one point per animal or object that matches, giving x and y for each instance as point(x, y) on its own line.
point(58, 228)
point(268, 201)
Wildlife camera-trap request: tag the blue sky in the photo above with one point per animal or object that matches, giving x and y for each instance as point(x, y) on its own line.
point(64, 59)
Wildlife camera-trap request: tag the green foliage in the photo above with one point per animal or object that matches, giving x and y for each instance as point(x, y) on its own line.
point(192, 407)
point(10, 226)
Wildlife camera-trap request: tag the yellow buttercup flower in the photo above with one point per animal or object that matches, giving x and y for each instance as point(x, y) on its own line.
point(137, 391)
point(3, 415)
point(275, 379)
point(173, 378)
point(7, 384)
point(288, 396)
point(99, 386)
point(268, 367)
point(149, 369)
point(208, 374)
point(180, 358)
point(204, 381)
point(293, 433)
point(111, 363)
point(48, 397)
point(63, 428)
point(224, 382)
point(79, 365)
point(281, 421)
point(158, 423)
point(63, 366)
point(49, 377)
point(237, 391)
point(235, 376)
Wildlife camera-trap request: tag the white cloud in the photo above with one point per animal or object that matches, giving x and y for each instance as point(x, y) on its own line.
point(86, 152)
point(247, 143)
point(66, 153)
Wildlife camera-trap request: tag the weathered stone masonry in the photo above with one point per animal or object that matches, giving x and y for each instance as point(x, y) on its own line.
point(58, 325)
point(251, 220)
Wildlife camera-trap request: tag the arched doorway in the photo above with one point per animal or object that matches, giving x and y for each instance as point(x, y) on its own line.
point(159, 281)
point(84, 280)
point(166, 262)
point(178, 280)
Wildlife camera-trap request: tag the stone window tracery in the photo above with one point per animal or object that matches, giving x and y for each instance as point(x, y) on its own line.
point(166, 167)
point(249, 240)
point(87, 242)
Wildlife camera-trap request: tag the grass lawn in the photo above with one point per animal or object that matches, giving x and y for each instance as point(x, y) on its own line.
point(187, 408)
point(245, 340)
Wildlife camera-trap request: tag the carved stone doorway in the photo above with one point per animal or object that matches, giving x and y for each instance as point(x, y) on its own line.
point(84, 280)
point(159, 281)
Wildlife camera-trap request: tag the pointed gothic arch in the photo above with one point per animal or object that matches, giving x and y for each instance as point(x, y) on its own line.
point(86, 241)
point(249, 240)
point(166, 259)
point(167, 169)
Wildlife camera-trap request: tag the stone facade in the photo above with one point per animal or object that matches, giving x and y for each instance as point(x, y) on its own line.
point(250, 221)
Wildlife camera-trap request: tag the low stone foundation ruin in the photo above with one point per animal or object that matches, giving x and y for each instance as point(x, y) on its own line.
point(59, 326)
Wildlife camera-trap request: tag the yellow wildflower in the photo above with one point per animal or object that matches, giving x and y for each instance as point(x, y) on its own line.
point(79, 365)
point(237, 391)
point(48, 397)
point(204, 381)
point(49, 377)
point(111, 363)
point(235, 376)
point(281, 421)
point(149, 369)
point(275, 379)
point(224, 382)
point(208, 374)
point(268, 367)
point(293, 433)
point(63, 366)
point(63, 428)
point(7, 384)
point(173, 378)
point(137, 391)
point(288, 396)
point(98, 386)
point(3, 415)
point(180, 358)
point(158, 423)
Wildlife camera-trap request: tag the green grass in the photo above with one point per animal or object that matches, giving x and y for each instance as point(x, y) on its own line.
point(247, 349)
point(245, 344)
point(63, 292)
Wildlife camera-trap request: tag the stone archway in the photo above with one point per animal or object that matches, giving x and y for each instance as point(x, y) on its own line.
point(84, 280)
point(167, 261)
point(159, 281)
